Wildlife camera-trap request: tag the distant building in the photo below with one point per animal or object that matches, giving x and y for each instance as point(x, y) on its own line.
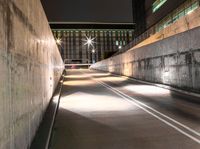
point(108, 39)
point(149, 18)
point(153, 15)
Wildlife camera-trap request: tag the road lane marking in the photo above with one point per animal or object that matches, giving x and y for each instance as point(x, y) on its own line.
point(167, 117)
point(159, 85)
point(140, 105)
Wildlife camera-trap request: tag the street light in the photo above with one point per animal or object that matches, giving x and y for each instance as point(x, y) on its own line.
point(58, 41)
point(93, 55)
point(89, 41)
point(93, 50)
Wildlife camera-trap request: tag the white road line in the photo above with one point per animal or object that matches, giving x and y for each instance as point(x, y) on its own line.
point(167, 117)
point(140, 105)
point(159, 85)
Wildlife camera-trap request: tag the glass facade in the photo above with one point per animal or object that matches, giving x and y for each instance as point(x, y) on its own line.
point(157, 4)
point(106, 43)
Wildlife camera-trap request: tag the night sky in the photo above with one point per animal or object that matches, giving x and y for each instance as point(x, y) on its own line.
point(108, 11)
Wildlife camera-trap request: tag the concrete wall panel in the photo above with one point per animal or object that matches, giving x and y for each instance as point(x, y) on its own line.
point(173, 61)
point(30, 68)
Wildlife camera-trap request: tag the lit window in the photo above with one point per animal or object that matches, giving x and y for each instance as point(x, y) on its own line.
point(117, 43)
point(124, 42)
point(192, 8)
point(157, 4)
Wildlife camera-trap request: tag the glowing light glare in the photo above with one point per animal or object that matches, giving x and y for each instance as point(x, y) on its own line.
point(189, 12)
point(76, 103)
point(59, 67)
point(84, 76)
point(55, 99)
point(89, 41)
point(58, 41)
point(112, 79)
point(101, 74)
point(93, 50)
point(147, 89)
point(166, 76)
point(78, 83)
point(120, 47)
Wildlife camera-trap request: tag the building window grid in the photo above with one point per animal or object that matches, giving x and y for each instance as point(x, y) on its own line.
point(64, 45)
point(106, 42)
point(183, 10)
point(157, 4)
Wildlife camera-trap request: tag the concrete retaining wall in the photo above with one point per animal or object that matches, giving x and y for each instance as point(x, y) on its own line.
point(174, 61)
point(30, 67)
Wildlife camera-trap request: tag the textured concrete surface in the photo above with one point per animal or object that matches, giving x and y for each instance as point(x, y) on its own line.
point(42, 137)
point(30, 67)
point(92, 116)
point(173, 61)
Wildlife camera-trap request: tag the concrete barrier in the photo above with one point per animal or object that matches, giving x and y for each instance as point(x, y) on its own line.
point(30, 68)
point(174, 61)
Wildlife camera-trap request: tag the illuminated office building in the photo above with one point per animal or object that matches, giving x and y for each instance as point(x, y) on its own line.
point(152, 16)
point(108, 39)
point(149, 17)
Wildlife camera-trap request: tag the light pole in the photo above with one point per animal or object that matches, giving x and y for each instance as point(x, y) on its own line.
point(89, 41)
point(93, 56)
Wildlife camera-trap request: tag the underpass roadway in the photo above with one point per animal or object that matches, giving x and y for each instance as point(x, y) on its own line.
point(98, 110)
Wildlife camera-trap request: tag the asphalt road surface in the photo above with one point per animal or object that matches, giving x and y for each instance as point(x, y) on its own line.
point(100, 111)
